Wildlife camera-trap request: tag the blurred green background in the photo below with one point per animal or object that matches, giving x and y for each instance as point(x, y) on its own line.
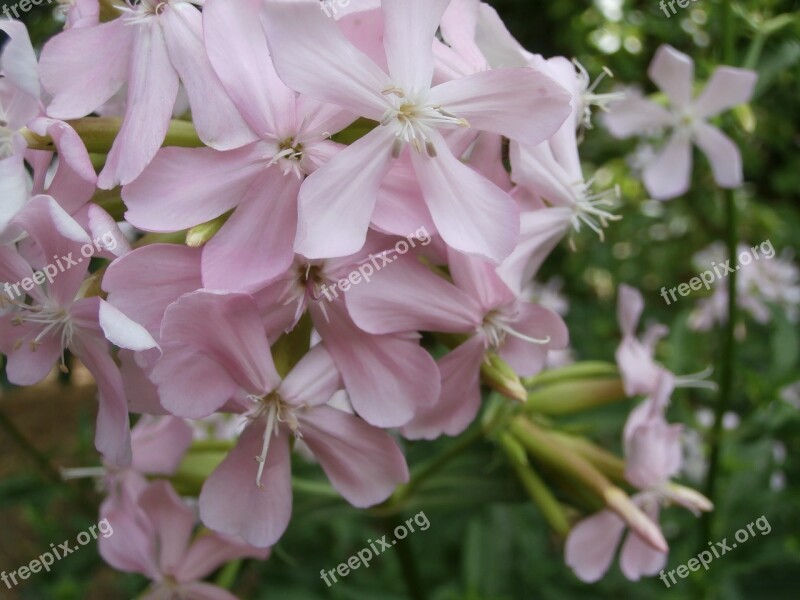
point(486, 541)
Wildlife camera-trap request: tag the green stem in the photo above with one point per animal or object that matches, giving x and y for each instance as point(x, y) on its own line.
point(99, 133)
point(727, 360)
point(728, 340)
point(536, 487)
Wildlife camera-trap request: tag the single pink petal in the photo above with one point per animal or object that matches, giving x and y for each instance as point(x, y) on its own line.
point(238, 51)
point(537, 322)
point(381, 393)
point(401, 208)
point(190, 384)
point(722, 153)
point(184, 187)
point(504, 100)
point(337, 200)
point(460, 400)
point(409, 30)
point(728, 87)
point(313, 380)
point(265, 222)
point(653, 452)
point(177, 273)
point(14, 188)
point(232, 503)
point(407, 296)
point(76, 90)
point(459, 27)
point(639, 369)
point(142, 393)
point(210, 551)
point(496, 42)
point(638, 557)
point(472, 214)
point(13, 269)
point(122, 331)
point(18, 60)
point(630, 305)
point(26, 365)
point(363, 463)
point(75, 179)
point(673, 72)
point(214, 115)
point(112, 437)
point(486, 156)
point(537, 169)
point(591, 545)
point(132, 546)
point(173, 522)
point(159, 444)
point(540, 232)
point(669, 173)
point(480, 280)
point(312, 56)
point(634, 114)
point(152, 90)
point(232, 335)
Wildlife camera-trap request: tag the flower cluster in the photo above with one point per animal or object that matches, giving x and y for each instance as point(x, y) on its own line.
point(315, 142)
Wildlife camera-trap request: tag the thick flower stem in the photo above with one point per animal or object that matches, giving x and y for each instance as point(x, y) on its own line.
point(728, 354)
point(99, 133)
point(541, 495)
point(728, 358)
point(610, 465)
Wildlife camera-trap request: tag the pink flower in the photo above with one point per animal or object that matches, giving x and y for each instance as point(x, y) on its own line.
point(153, 535)
point(73, 182)
point(58, 317)
point(653, 455)
point(410, 297)
point(228, 363)
point(337, 202)
point(151, 47)
point(640, 371)
point(184, 187)
point(668, 174)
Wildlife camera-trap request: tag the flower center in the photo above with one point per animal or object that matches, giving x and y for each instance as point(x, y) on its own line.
point(589, 98)
point(289, 157)
point(498, 324)
point(53, 320)
point(275, 412)
point(414, 122)
point(141, 11)
point(588, 207)
point(307, 284)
